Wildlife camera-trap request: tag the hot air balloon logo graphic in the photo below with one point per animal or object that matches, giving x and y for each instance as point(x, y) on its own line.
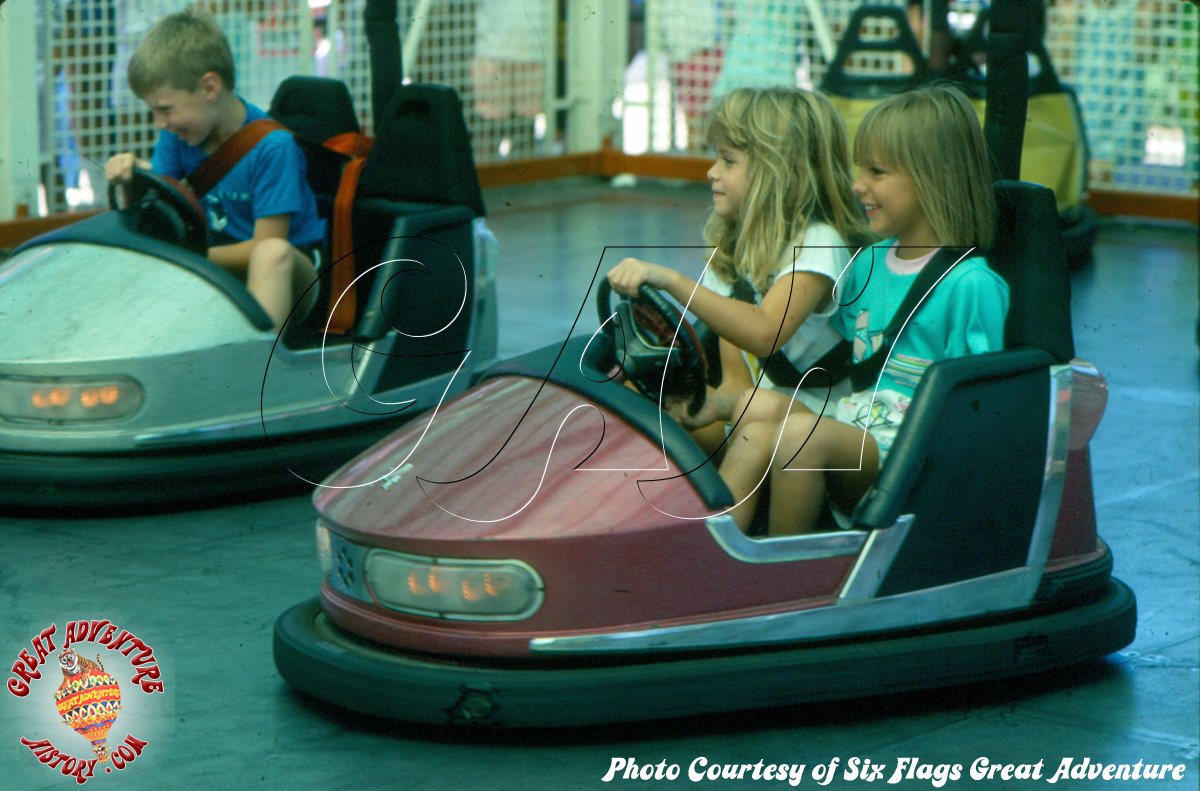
point(88, 699)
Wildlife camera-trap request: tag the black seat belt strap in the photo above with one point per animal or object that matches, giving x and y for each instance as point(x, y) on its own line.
point(837, 361)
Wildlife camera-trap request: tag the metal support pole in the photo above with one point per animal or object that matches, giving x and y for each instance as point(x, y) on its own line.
point(597, 50)
point(1008, 84)
point(383, 39)
point(19, 134)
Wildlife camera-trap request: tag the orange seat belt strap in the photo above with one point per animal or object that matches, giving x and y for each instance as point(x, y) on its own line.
point(343, 301)
point(352, 144)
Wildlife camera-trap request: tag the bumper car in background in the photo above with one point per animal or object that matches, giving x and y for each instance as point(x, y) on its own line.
point(135, 372)
point(1054, 151)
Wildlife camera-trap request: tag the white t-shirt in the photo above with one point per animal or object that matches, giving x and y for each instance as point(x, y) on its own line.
point(821, 251)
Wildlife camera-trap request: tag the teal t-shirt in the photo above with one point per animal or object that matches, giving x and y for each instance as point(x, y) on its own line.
point(963, 314)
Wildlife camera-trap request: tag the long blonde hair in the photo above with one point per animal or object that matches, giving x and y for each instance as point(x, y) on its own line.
point(798, 172)
point(932, 135)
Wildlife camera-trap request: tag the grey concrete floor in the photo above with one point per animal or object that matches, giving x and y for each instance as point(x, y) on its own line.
point(203, 587)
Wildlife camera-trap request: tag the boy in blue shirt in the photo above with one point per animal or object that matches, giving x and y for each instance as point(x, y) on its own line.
point(263, 221)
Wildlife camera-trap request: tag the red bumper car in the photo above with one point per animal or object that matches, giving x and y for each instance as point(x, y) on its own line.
point(549, 548)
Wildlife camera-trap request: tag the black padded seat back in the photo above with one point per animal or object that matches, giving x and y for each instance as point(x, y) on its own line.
point(1028, 253)
point(840, 81)
point(414, 262)
point(422, 151)
point(316, 109)
point(969, 465)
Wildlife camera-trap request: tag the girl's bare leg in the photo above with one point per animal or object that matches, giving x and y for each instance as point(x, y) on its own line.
point(818, 456)
point(744, 468)
point(749, 448)
point(761, 405)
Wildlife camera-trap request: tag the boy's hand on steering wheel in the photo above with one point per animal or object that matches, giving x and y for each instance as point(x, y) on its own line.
point(119, 167)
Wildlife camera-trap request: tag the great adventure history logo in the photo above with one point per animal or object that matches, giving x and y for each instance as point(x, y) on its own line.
point(88, 697)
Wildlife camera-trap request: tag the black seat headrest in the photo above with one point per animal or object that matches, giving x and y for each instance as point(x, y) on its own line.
point(1028, 253)
point(422, 150)
point(314, 108)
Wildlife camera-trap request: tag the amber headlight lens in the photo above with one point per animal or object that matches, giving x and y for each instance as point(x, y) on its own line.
point(463, 589)
point(56, 400)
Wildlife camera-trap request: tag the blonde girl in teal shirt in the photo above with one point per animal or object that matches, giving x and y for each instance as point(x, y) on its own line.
point(924, 183)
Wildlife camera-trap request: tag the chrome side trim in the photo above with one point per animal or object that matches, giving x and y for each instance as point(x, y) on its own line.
point(1058, 438)
point(980, 596)
point(875, 560)
point(782, 549)
point(314, 416)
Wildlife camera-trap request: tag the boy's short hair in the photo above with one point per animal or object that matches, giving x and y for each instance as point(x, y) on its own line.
point(178, 51)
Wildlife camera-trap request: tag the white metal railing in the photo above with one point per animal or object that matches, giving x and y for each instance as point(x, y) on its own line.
point(1132, 63)
point(539, 77)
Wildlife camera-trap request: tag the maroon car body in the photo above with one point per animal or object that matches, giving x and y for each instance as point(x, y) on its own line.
point(639, 598)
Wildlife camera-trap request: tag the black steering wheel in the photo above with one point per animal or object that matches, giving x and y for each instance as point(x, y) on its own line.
point(644, 351)
point(163, 208)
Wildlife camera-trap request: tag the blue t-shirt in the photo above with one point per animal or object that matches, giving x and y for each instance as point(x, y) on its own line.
point(964, 314)
point(268, 181)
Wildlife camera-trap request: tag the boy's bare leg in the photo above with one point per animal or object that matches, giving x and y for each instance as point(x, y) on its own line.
point(830, 457)
point(277, 274)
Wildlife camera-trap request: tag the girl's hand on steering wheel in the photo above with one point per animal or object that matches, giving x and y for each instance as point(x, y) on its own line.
point(629, 275)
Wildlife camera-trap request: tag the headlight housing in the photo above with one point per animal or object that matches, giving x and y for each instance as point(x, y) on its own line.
point(465, 589)
point(455, 588)
point(68, 400)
